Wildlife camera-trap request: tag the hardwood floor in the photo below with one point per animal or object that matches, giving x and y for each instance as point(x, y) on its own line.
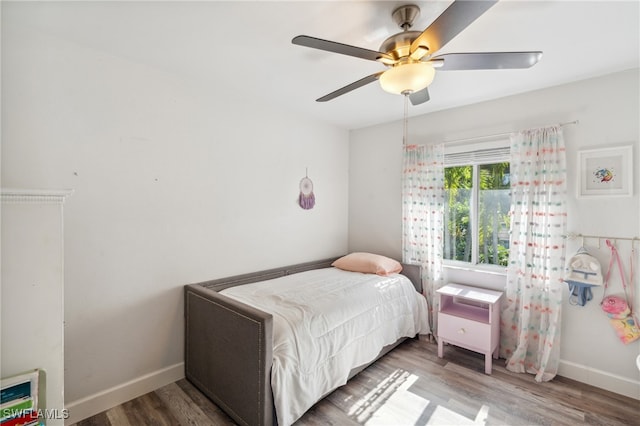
point(409, 386)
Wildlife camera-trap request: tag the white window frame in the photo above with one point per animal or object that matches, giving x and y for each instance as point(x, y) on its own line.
point(476, 154)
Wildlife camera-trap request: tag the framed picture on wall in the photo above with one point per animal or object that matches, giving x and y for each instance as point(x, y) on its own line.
point(605, 172)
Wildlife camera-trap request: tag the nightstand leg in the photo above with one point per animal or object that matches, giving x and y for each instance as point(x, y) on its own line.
point(440, 348)
point(487, 363)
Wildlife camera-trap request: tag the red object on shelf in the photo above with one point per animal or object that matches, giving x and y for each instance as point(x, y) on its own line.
point(25, 419)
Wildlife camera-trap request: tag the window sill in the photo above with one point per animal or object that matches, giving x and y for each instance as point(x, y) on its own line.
point(485, 269)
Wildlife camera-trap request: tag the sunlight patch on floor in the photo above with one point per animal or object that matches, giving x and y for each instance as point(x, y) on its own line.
point(444, 416)
point(391, 403)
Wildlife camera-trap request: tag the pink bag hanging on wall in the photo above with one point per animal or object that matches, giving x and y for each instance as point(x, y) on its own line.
point(619, 308)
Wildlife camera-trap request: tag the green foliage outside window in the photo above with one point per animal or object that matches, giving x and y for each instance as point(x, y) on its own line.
point(490, 219)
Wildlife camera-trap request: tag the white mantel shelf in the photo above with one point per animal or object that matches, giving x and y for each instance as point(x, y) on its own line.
point(15, 195)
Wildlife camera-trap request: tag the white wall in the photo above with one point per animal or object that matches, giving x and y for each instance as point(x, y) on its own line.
point(607, 109)
point(173, 184)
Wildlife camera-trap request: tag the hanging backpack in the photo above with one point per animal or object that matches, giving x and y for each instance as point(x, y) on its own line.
point(583, 271)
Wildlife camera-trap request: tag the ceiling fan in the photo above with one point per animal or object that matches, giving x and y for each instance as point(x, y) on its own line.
point(409, 55)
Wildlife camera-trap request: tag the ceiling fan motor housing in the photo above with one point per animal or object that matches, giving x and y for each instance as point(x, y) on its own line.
point(398, 45)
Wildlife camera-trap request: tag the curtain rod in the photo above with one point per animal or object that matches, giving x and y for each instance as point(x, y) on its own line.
point(496, 135)
point(573, 236)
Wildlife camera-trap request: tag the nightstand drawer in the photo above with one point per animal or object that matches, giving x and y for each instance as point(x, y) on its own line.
point(465, 332)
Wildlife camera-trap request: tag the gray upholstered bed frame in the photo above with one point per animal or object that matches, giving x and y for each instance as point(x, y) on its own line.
point(228, 345)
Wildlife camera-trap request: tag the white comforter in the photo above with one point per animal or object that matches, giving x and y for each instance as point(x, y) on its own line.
point(327, 321)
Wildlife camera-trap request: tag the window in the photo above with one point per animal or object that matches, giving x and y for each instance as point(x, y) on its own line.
point(477, 203)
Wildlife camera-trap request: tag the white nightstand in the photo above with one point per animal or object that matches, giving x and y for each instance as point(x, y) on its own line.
point(469, 317)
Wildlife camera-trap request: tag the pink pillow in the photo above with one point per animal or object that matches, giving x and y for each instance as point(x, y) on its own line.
point(368, 263)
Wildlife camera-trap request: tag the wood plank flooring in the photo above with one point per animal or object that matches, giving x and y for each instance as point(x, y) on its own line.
point(409, 386)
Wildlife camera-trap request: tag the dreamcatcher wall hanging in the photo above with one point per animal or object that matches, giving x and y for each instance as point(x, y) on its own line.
point(306, 199)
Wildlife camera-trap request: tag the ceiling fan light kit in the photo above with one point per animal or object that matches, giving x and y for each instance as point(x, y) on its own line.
point(409, 54)
point(407, 78)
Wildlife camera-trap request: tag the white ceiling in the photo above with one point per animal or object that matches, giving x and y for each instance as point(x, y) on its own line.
point(245, 47)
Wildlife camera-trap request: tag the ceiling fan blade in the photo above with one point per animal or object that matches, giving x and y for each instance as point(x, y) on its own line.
point(344, 49)
point(362, 82)
point(450, 23)
point(419, 97)
point(487, 61)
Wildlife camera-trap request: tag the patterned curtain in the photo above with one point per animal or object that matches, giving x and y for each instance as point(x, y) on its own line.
point(530, 329)
point(422, 216)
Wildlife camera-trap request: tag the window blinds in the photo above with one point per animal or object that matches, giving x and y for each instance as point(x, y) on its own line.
point(487, 152)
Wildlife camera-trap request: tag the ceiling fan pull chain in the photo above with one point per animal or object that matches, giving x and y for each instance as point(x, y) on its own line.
point(405, 122)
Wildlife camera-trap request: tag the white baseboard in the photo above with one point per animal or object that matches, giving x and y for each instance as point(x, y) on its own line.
point(102, 401)
point(600, 379)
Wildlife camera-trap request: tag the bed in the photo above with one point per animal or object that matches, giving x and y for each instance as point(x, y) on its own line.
point(237, 353)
